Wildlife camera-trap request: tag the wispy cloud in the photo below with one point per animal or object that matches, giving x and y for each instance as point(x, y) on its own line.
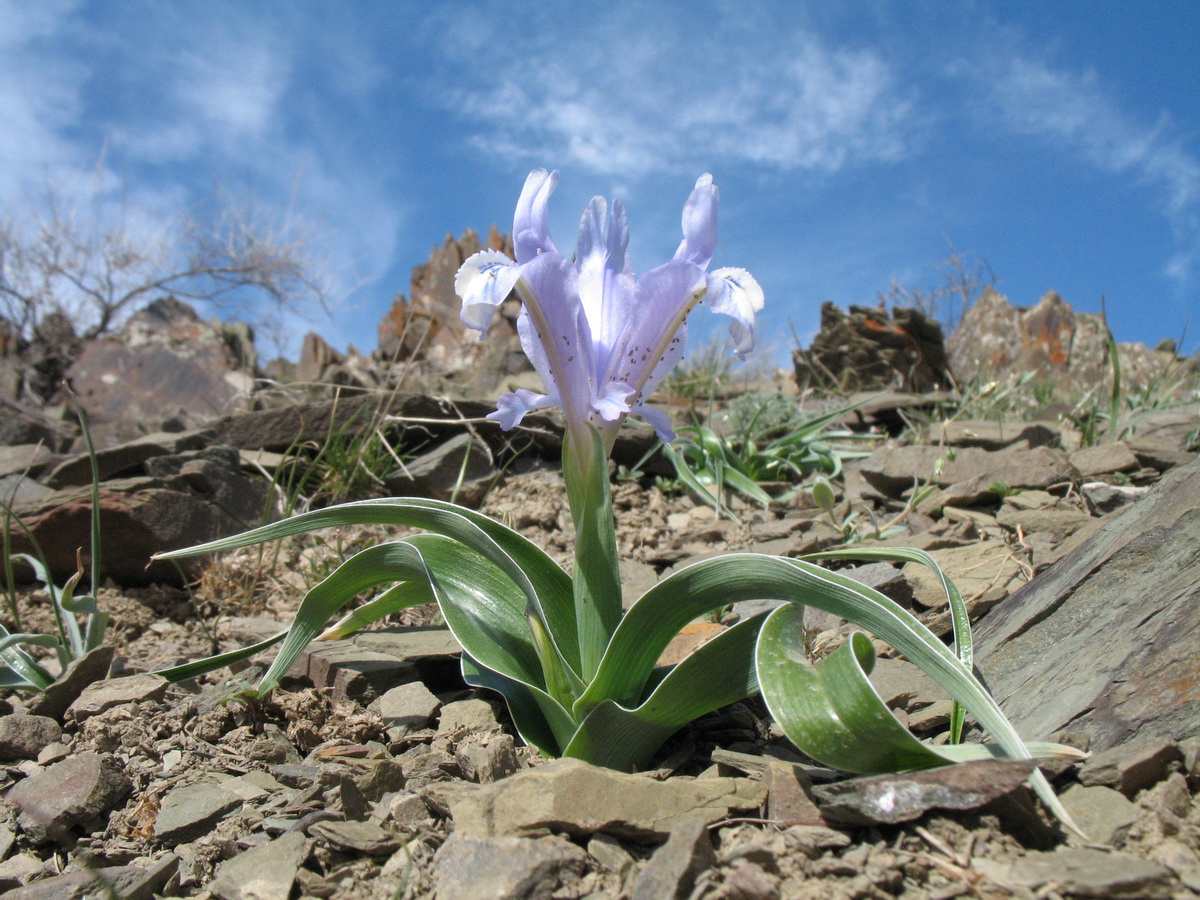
point(636, 92)
point(1073, 111)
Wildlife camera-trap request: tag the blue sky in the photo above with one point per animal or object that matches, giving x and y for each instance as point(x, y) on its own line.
point(852, 141)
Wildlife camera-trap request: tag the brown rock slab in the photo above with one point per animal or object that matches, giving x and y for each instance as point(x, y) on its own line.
point(580, 799)
point(91, 667)
point(23, 736)
point(102, 695)
point(1084, 872)
point(889, 799)
point(1131, 589)
point(191, 810)
point(1104, 459)
point(359, 837)
point(1101, 813)
point(1131, 767)
point(894, 470)
point(460, 470)
point(993, 435)
point(506, 868)
point(265, 872)
point(76, 792)
point(671, 872)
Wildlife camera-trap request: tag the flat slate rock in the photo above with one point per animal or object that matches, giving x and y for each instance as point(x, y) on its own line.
point(1133, 589)
point(580, 799)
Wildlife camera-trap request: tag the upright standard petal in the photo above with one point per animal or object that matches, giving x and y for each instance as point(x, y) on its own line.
point(606, 282)
point(700, 224)
point(531, 229)
point(483, 281)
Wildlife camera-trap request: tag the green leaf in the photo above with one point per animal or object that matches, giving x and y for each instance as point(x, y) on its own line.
point(718, 673)
point(543, 581)
point(960, 619)
point(830, 710)
point(22, 670)
point(404, 595)
point(745, 576)
point(219, 660)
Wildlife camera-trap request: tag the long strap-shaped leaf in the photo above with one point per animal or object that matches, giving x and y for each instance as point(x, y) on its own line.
point(544, 582)
point(540, 720)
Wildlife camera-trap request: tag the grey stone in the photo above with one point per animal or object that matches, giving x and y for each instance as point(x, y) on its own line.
point(359, 837)
point(506, 868)
point(73, 793)
point(1131, 767)
point(461, 469)
point(1103, 498)
point(1104, 459)
point(16, 489)
point(126, 882)
point(191, 810)
point(670, 874)
point(102, 695)
point(20, 869)
point(56, 699)
point(608, 851)
point(1130, 589)
point(24, 736)
point(488, 760)
point(1160, 455)
point(17, 459)
point(1084, 872)
point(409, 706)
point(903, 685)
point(1101, 813)
point(466, 717)
point(265, 872)
point(580, 799)
point(889, 799)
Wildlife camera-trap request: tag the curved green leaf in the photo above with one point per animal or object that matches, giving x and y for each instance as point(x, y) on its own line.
point(960, 619)
point(719, 672)
point(404, 595)
point(831, 710)
point(544, 582)
point(367, 569)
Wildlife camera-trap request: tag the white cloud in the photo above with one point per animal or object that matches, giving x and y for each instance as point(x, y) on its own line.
point(1073, 111)
point(634, 92)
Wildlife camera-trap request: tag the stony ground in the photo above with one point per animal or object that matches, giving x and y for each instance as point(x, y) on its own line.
point(375, 773)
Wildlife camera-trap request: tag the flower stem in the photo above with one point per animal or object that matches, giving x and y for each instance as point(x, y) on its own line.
point(597, 581)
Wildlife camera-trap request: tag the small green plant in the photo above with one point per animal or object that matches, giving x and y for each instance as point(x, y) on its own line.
point(784, 448)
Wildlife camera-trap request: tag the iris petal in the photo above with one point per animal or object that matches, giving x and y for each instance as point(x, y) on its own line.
point(483, 282)
point(512, 408)
point(735, 293)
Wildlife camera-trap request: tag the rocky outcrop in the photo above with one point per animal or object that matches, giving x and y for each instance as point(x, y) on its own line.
point(1065, 348)
point(869, 349)
point(165, 370)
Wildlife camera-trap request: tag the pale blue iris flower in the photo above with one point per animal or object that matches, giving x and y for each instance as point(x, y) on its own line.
point(600, 338)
